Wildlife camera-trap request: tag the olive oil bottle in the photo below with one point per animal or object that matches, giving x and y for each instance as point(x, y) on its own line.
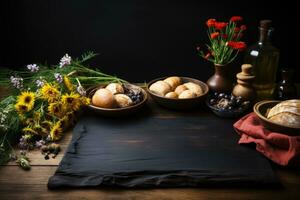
point(264, 57)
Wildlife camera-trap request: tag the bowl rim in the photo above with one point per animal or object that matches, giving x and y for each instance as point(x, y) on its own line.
point(182, 77)
point(263, 102)
point(118, 109)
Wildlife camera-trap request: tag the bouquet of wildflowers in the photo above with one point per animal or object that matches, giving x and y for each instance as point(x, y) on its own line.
point(44, 102)
point(225, 40)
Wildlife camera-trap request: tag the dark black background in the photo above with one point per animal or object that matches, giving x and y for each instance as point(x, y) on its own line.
point(137, 40)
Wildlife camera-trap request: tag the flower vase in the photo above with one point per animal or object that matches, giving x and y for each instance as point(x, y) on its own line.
point(220, 82)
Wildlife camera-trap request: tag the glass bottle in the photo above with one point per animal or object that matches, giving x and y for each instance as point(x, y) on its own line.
point(264, 57)
point(286, 89)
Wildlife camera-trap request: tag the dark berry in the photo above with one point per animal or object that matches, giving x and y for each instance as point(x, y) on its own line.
point(221, 95)
point(232, 98)
point(238, 102)
point(213, 101)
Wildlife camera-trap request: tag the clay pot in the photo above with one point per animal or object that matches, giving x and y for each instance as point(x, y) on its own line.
point(220, 82)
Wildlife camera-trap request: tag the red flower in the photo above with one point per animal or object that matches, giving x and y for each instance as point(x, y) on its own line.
point(220, 25)
point(207, 55)
point(214, 35)
point(211, 22)
point(236, 19)
point(237, 29)
point(243, 27)
point(224, 36)
point(237, 45)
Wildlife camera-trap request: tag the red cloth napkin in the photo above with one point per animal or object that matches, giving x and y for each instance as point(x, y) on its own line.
point(280, 148)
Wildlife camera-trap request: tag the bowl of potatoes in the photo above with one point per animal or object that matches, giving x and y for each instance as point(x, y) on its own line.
point(178, 93)
point(116, 99)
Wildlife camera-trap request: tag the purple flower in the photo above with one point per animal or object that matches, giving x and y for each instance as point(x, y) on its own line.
point(23, 144)
point(58, 77)
point(40, 143)
point(66, 60)
point(48, 138)
point(17, 82)
point(33, 67)
point(39, 83)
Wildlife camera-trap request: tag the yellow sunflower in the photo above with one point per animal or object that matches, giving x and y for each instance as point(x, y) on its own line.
point(27, 98)
point(56, 131)
point(49, 92)
point(71, 101)
point(69, 85)
point(85, 101)
point(22, 108)
point(55, 109)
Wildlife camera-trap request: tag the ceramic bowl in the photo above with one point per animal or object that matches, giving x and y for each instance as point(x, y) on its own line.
point(115, 112)
point(235, 113)
point(262, 108)
point(179, 104)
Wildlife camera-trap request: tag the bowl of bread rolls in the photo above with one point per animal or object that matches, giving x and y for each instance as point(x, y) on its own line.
point(178, 93)
point(280, 116)
point(116, 99)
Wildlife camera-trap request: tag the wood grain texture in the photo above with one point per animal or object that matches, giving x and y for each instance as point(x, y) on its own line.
point(19, 184)
point(16, 183)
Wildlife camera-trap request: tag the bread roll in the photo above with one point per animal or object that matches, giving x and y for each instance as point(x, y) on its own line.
point(173, 81)
point(115, 88)
point(123, 100)
point(160, 87)
point(187, 94)
point(179, 89)
point(286, 113)
point(172, 95)
point(104, 98)
point(194, 88)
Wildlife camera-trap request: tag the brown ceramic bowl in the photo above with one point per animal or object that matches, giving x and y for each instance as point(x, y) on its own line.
point(116, 112)
point(179, 104)
point(262, 108)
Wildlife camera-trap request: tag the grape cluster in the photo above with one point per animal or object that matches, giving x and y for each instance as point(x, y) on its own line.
point(228, 102)
point(135, 95)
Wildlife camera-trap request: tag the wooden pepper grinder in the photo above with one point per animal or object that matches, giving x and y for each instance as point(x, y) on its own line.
point(244, 87)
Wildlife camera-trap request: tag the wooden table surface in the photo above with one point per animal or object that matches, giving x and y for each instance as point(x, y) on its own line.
point(16, 183)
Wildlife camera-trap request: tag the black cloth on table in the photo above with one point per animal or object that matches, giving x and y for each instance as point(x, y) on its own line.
point(153, 151)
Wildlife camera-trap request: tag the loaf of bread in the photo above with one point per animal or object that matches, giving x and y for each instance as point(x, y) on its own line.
point(194, 88)
point(179, 89)
point(286, 113)
point(123, 100)
point(172, 95)
point(173, 81)
point(115, 88)
point(187, 94)
point(160, 87)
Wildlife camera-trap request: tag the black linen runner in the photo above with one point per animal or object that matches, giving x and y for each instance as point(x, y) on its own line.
point(157, 151)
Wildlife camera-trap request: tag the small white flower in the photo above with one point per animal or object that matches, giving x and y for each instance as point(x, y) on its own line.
point(17, 82)
point(81, 90)
point(33, 67)
point(39, 83)
point(66, 60)
point(58, 77)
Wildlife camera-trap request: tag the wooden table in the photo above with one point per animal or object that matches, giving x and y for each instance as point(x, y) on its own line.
point(16, 183)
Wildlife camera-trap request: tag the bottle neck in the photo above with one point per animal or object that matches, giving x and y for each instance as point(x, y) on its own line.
point(265, 36)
